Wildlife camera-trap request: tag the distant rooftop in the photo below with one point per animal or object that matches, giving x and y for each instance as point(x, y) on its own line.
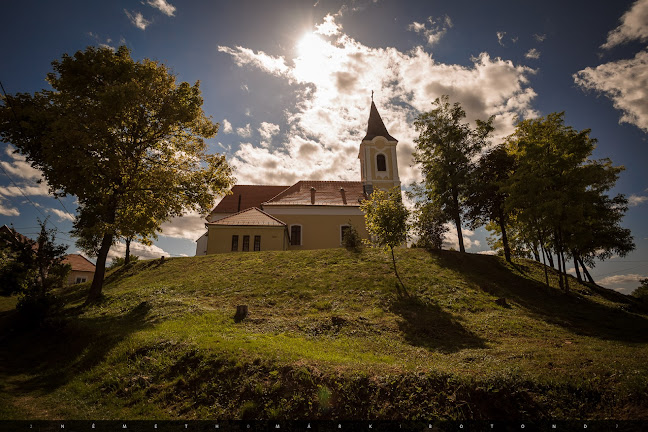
point(314, 192)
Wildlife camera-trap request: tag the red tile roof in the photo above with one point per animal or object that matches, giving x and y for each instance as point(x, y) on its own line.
point(250, 196)
point(330, 193)
point(17, 237)
point(79, 263)
point(251, 216)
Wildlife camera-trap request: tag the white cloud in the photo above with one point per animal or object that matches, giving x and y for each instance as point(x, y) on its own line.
point(500, 37)
point(332, 81)
point(532, 54)
point(329, 27)
point(13, 191)
point(451, 240)
point(540, 37)
point(438, 28)
point(487, 252)
point(227, 126)
point(244, 56)
point(245, 132)
point(625, 82)
point(635, 200)
point(245, 88)
point(634, 26)
point(8, 211)
point(136, 248)
point(137, 19)
point(189, 226)
point(617, 282)
point(267, 131)
point(18, 167)
point(62, 216)
point(165, 7)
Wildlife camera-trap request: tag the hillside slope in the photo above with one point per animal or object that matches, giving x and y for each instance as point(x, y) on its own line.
point(327, 337)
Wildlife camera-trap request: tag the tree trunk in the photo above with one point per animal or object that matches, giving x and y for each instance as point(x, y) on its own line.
point(551, 261)
point(587, 274)
point(127, 257)
point(578, 274)
point(562, 253)
point(396, 271)
point(100, 270)
point(457, 219)
point(542, 249)
point(505, 243)
point(561, 283)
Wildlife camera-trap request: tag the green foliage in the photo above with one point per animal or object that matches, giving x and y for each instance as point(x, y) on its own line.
point(429, 223)
point(559, 195)
point(386, 218)
point(386, 221)
point(120, 261)
point(39, 269)
point(133, 142)
point(351, 239)
point(445, 149)
point(485, 196)
point(642, 291)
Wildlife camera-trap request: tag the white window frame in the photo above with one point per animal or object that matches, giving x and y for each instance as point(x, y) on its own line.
point(301, 235)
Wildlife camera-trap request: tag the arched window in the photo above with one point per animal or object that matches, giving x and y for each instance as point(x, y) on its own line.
point(381, 163)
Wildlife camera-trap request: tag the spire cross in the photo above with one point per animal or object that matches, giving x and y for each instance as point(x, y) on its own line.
point(371, 95)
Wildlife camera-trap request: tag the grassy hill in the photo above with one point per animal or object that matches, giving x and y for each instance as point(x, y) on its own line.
point(327, 337)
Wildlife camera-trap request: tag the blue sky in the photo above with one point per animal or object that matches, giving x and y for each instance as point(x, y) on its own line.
point(290, 84)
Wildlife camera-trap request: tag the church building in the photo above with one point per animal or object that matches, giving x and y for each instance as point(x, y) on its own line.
point(311, 214)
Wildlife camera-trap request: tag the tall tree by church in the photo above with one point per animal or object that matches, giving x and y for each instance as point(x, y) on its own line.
point(124, 138)
point(445, 149)
point(558, 192)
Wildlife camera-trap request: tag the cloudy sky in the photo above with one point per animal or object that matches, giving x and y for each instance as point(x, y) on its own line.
point(290, 84)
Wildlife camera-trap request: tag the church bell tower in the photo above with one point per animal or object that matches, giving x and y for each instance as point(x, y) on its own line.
point(378, 163)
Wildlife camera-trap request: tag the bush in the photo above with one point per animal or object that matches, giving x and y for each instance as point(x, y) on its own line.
point(352, 240)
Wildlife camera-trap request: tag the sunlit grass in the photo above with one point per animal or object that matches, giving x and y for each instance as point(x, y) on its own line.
point(328, 337)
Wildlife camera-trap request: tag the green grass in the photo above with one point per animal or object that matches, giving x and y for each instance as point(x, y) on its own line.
point(328, 337)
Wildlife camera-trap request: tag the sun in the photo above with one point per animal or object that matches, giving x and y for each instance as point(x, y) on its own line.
point(309, 44)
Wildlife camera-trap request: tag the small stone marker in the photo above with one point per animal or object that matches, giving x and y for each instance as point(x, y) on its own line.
point(241, 313)
point(502, 302)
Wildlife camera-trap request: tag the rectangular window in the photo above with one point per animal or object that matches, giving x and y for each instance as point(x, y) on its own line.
point(257, 243)
point(80, 280)
point(344, 229)
point(234, 243)
point(295, 235)
point(246, 243)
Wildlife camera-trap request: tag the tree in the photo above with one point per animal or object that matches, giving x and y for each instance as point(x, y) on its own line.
point(32, 269)
point(485, 195)
point(642, 291)
point(444, 150)
point(559, 194)
point(119, 261)
point(351, 239)
point(386, 220)
point(429, 220)
point(125, 139)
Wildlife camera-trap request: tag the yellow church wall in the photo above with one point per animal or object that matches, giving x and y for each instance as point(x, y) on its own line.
point(322, 231)
point(220, 237)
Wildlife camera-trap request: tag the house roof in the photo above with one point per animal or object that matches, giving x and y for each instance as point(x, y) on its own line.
point(330, 193)
point(249, 195)
point(17, 237)
point(79, 263)
point(251, 216)
point(375, 126)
